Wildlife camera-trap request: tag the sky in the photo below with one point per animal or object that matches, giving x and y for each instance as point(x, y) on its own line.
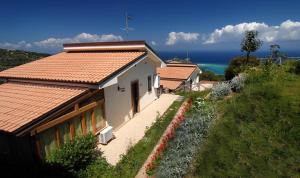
point(208, 25)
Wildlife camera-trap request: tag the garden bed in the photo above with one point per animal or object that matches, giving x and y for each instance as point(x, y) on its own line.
point(178, 145)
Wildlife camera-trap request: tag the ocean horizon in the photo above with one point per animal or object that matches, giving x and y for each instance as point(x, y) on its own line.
point(215, 61)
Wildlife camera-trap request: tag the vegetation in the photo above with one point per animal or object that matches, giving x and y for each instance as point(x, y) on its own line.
point(238, 82)
point(257, 131)
point(208, 75)
point(188, 136)
point(77, 154)
point(130, 163)
point(240, 64)
point(12, 58)
point(293, 66)
point(220, 90)
point(250, 43)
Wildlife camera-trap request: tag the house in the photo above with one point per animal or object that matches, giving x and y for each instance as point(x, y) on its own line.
point(85, 88)
point(177, 76)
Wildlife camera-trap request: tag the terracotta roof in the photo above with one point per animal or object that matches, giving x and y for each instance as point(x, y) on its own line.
point(170, 84)
point(79, 67)
point(175, 72)
point(22, 103)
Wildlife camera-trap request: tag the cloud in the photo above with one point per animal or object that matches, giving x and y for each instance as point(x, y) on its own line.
point(54, 43)
point(153, 43)
point(286, 31)
point(12, 46)
point(175, 37)
point(82, 37)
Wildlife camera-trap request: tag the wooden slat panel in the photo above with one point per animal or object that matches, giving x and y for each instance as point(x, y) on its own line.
point(72, 131)
point(93, 122)
point(57, 137)
point(66, 117)
point(83, 124)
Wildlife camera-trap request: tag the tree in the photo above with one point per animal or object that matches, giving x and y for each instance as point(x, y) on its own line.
point(250, 43)
point(276, 55)
point(238, 65)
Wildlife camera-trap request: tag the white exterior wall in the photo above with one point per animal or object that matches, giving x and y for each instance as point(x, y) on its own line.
point(118, 104)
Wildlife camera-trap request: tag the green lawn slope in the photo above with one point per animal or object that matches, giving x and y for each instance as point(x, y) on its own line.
point(257, 133)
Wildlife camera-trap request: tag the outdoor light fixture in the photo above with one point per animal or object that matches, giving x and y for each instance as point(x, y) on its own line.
point(121, 89)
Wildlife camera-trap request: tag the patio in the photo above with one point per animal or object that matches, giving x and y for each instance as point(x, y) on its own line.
point(133, 131)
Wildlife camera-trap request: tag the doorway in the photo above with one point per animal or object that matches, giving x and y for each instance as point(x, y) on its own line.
point(135, 96)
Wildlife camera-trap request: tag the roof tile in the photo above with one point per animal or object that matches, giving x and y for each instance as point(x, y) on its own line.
point(175, 72)
point(82, 67)
point(21, 103)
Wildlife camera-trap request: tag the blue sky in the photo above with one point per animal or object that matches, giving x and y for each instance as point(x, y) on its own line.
point(212, 25)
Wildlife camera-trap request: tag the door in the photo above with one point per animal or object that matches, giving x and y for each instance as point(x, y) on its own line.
point(135, 96)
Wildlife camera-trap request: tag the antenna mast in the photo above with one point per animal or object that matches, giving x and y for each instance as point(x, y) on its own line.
point(127, 19)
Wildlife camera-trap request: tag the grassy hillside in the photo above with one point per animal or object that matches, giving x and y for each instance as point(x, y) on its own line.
point(257, 132)
point(12, 58)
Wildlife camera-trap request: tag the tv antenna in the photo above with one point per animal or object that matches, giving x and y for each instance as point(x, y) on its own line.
point(127, 19)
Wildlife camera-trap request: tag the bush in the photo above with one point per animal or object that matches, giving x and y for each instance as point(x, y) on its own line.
point(208, 75)
point(293, 66)
point(180, 151)
point(238, 65)
point(220, 90)
point(77, 154)
point(238, 82)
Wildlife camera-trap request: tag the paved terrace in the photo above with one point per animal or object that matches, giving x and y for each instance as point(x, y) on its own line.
point(133, 131)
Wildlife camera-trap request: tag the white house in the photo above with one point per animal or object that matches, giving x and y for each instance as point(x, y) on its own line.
point(85, 88)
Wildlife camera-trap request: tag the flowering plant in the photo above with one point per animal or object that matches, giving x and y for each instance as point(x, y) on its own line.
point(169, 134)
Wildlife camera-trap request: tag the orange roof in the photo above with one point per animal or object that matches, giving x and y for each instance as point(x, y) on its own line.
point(22, 103)
point(79, 67)
point(170, 84)
point(175, 72)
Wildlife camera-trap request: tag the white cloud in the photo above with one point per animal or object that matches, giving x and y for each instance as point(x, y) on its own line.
point(82, 37)
point(286, 31)
point(175, 37)
point(153, 43)
point(58, 42)
point(20, 45)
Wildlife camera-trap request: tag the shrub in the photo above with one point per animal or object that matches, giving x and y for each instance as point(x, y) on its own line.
point(293, 66)
point(77, 154)
point(189, 135)
point(238, 82)
point(220, 90)
point(208, 75)
point(238, 65)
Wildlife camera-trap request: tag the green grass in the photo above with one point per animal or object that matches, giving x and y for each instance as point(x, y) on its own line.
point(131, 163)
point(257, 132)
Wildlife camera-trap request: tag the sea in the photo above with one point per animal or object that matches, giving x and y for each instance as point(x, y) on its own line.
point(215, 61)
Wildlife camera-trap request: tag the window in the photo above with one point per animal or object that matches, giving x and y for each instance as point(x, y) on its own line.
point(149, 83)
point(64, 133)
point(77, 126)
point(100, 122)
point(48, 142)
point(88, 121)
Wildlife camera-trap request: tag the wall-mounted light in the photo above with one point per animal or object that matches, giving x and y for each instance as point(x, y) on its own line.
point(121, 89)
